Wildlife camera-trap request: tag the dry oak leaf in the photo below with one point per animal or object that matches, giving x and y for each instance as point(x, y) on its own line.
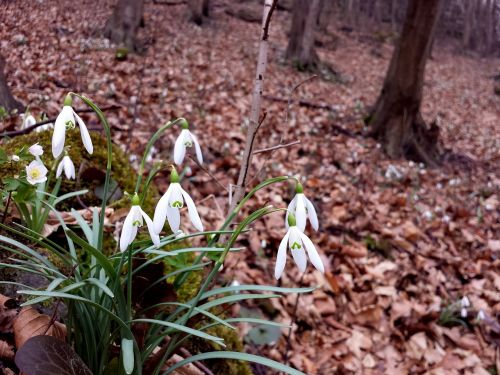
point(29, 323)
point(8, 312)
point(358, 342)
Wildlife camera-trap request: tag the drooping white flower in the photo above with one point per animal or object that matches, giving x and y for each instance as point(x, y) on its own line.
point(135, 219)
point(36, 172)
point(169, 205)
point(303, 209)
point(299, 244)
point(36, 150)
point(67, 165)
point(15, 158)
point(186, 139)
point(464, 303)
point(28, 120)
point(481, 315)
point(68, 119)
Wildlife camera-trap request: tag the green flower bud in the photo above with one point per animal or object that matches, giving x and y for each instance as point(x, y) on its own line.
point(68, 100)
point(299, 189)
point(291, 220)
point(174, 176)
point(183, 123)
point(135, 200)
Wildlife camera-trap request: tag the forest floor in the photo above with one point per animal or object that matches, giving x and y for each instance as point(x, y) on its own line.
point(402, 243)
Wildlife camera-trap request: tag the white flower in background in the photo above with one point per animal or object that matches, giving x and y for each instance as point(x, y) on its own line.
point(186, 139)
point(28, 120)
point(169, 205)
point(15, 158)
point(302, 208)
point(68, 119)
point(299, 244)
point(44, 127)
point(481, 315)
point(135, 219)
point(36, 150)
point(36, 172)
point(464, 303)
point(67, 165)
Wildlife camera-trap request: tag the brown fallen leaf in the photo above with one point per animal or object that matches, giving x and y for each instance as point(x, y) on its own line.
point(8, 312)
point(29, 323)
point(6, 351)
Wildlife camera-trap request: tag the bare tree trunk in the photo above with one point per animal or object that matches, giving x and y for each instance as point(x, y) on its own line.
point(325, 14)
point(197, 10)
point(396, 120)
point(489, 26)
point(394, 10)
point(300, 48)
point(121, 27)
point(7, 101)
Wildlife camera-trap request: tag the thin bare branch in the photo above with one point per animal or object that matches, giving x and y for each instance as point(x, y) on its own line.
point(277, 147)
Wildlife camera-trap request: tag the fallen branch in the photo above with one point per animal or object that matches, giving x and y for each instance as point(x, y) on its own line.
point(29, 129)
point(301, 102)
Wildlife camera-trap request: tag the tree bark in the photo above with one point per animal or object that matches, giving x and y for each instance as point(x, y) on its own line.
point(300, 48)
point(7, 100)
point(325, 14)
point(121, 28)
point(396, 120)
point(198, 9)
point(489, 26)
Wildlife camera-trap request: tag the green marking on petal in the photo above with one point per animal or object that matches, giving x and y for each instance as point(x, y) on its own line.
point(136, 223)
point(296, 245)
point(188, 144)
point(70, 124)
point(176, 204)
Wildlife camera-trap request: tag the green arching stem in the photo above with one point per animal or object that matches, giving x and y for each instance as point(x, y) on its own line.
point(107, 179)
point(152, 140)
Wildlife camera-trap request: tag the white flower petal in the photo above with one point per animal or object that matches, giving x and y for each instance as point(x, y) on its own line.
point(69, 167)
point(180, 148)
point(300, 258)
point(313, 253)
point(87, 141)
point(300, 212)
point(154, 237)
point(36, 172)
point(127, 231)
point(174, 218)
point(60, 169)
point(291, 209)
point(175, 199)
point(281, 257)
point(59, 134)
point(193, 212)
point(36, 150)
point(197, 147)
point(311, 213)
point(160, 214)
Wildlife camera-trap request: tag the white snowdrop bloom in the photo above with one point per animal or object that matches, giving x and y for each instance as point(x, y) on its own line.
point(481, 315)
point(186, 139)
point(302, 209)
point(15, 158)
point(67, 165)
point(299, 244)
point(67, 119)
point(28, 120)
point(36, 150)
point(36, 172)
point(44, 127)
point(169, 205)
point(135, 219)
point(464, 302)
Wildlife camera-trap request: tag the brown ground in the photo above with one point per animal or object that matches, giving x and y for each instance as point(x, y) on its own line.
point(432, 235)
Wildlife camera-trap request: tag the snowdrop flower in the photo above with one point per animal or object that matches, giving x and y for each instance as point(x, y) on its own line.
point(135, 219)
point(186, 139)
point(66, 120)
point(15, 158)
point(302, 208)
point(68, 166)
point(169, 206)
point(299, 244)
point(36, 150)
point(36, 172)
point(481, 315)
point(28, 120)
point(464, 303)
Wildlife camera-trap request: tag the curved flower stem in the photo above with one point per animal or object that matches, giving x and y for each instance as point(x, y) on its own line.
point(152, 140)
